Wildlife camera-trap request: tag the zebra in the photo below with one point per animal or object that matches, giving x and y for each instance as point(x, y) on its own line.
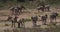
point(34, 20)
point(13, 20)
point(40, 8)
point(16, 10)
point(44, 8)
point(47, 7)
point(21, 22)
point(53, 16)
point(44, 19)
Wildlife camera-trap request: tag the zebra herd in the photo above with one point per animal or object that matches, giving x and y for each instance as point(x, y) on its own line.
point(44, 18)
point(18, 10)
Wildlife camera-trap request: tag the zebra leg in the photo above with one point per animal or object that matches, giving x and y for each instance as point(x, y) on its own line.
point(12, 24)
point(22, 24)
point(45, 22)
point(18, 25)
point(34, 23)
point(55, 21)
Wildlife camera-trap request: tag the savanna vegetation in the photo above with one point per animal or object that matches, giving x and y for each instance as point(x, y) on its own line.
point(50, 28)
point(5, 4)
point(27, 3)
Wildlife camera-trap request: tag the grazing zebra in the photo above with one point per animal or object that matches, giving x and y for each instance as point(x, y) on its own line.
point(34, 19)
point(13, 20)
point(44, 19)
point(47, 7)
point(10, 19)
point(40, 8)
point(21, 22)
point(53, 16)
point(21, 8)
point(16, 10)
point(44, 8)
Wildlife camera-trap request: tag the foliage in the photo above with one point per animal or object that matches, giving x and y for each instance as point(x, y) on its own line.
point(53, 1)
point(28, 3)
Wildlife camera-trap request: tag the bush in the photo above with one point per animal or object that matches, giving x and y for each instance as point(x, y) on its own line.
point(6, 24)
